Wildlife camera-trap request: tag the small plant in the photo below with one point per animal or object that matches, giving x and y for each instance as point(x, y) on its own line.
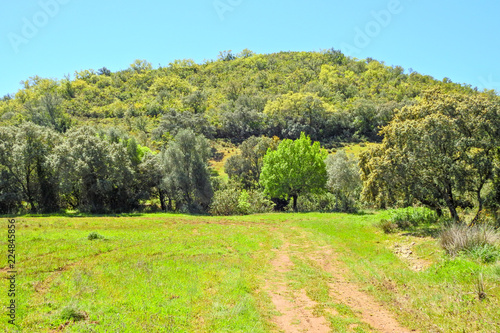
point(94, 235)
point(72, 313)
point(387, 226)
point(480, 288)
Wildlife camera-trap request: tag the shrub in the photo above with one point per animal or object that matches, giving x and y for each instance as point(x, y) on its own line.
point(244, 205)
point(324, 202)
point(478, 241)
point(259, 203)
point(387, 226)
point(405, 218)
point(232, 201)
point(225, 202)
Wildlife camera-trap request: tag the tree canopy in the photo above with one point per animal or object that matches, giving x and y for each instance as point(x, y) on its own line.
point(294, 168)
point(439, 152)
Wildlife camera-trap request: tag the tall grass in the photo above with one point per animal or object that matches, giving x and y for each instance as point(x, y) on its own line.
point(480, 241)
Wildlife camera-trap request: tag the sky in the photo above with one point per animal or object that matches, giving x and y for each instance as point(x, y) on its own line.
point(456, 39)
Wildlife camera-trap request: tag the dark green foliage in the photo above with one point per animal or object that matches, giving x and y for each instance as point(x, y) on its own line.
point(246, 167)
point(231, 200)
point(73, 314)
point(387, 226)
point(173, 122)
point(94, 235)
point(316, 202)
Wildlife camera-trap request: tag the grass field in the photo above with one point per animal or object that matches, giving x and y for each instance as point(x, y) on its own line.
point(179, 273)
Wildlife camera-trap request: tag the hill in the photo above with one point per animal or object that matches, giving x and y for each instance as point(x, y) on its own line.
point(327, 95)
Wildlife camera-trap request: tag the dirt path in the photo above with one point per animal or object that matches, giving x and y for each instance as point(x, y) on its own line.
point(296, 308)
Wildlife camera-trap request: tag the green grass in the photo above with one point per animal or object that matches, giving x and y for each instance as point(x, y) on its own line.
point(179, 273)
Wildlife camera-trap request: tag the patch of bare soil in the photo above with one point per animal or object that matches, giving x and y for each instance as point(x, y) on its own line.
point(406, 252)
point(295, 307)
point(348, 293)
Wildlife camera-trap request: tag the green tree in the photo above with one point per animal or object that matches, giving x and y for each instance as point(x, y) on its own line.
point(439, 152)
point(294, 168)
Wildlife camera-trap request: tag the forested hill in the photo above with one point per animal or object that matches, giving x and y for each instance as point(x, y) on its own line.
point(327, 95)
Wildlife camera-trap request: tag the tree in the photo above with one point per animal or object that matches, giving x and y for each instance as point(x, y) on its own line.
point(343, 180)
point(294, 113)
point(186, 172)
point(247, 166)
point(98, 174)
point(25, 163)
point(439, 152)
point(294, 168)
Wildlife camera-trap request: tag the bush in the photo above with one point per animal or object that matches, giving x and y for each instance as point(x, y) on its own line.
point(405, 218)
point(225, 202)
point(324, 202)
point(232, 201)
point(387, 226)
point(481, 242)
point(259, 203)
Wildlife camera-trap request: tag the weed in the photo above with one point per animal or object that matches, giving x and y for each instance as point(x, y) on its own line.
point(72, 313)
point(94, 235)
point(480, 288)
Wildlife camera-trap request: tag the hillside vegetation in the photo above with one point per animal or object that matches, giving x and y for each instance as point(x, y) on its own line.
point(165, 138)
point(327, 95)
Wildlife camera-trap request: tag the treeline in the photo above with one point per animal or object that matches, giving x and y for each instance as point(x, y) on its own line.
point(43, 171)
point(142, 139)
point(330, 97)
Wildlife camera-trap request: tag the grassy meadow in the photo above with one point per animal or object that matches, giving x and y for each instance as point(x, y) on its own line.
point(180, 273)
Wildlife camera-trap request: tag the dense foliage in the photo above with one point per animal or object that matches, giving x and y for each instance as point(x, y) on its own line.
point(103, 141)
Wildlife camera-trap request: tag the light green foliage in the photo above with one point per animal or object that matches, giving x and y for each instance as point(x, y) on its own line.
point(344, 180)
point(294, 168)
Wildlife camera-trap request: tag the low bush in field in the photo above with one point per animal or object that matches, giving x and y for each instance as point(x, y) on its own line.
point(480, 242)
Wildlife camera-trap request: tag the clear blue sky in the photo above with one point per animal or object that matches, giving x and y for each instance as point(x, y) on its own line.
point(52, 38)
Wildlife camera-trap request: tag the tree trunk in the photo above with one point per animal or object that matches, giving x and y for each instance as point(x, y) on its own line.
point(294, 198)
point(162, 200)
